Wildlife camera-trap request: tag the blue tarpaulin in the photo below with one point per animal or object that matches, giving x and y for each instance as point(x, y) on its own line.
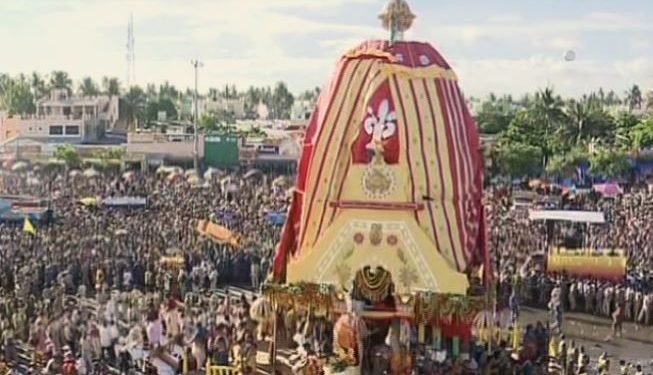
point(277, 218)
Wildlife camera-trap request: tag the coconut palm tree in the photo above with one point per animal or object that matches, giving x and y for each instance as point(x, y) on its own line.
point(634, 98)
point(110, 86)
point(60, 80)
point(39, 89)
point(88, 87)
point(134, 100)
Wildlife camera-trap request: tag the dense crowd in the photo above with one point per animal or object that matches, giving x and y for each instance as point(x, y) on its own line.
point(112, 256)
point(90, 250)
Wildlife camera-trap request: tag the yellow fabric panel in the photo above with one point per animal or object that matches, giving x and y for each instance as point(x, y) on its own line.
point(312, 185)
point(419, 176)
point(370, 52)
point(344, 162)
point(347, 104)
point(429, 72)
point(443, 211)
point(453, 209)
point(336, 258)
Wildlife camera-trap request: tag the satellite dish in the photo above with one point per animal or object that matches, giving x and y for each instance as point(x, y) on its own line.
point(570, 55)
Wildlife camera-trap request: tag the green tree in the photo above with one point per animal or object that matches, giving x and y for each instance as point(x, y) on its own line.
point(110, 86)
point(566, 164)
point(641, 135)
point(519, 159)
point(134, 107)
point(17, 97)
point(39, 89)
point(60, 80)
point(495, 115)
point(625, 122)
point(162, 105)
point(609, 163)
point(282, 101)
point(208, 123)
point(168, 91)
point(588, 121)
point(69, 154)
point(634, 98)
point(88, 87)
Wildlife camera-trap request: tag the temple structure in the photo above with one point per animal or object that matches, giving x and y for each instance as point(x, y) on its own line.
point(387, 208)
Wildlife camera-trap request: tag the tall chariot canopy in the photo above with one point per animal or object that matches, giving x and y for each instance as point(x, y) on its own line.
point(391, 173)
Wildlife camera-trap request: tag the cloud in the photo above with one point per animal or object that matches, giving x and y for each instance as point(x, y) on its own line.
point(519, 76)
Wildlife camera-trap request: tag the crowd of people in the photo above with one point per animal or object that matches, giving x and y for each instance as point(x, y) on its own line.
point(93, 251)
point(112, 256)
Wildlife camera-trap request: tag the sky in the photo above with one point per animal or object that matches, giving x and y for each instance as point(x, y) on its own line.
point(500, 46)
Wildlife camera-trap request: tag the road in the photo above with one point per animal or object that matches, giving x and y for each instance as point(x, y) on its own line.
point(636, 346)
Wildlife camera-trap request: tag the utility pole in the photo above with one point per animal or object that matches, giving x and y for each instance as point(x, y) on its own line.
point(196, 163)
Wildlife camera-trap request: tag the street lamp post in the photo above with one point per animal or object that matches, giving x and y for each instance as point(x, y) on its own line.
point(196, 65)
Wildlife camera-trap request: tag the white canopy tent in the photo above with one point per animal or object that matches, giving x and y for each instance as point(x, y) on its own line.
point(594, 217)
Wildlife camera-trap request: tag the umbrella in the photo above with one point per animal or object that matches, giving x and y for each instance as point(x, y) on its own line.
point(129, 175)
point(261, 310)
point(91, 173)
point(74, 173)
point(19, 166)
point(608, 189)
point(190, 172)
point(280, 181)
point(174, 176)
point(193, 180)
point(251, 173)
point(89, 202)
point(121, 232)
point(212, 173)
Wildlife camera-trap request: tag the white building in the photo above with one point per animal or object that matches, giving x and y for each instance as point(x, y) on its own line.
point(64, 118)
point(236, 106)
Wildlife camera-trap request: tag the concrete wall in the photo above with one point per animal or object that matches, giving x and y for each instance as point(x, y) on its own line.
point(178, 150)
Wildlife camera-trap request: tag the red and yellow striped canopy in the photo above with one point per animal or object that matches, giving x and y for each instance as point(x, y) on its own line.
point(393, 118)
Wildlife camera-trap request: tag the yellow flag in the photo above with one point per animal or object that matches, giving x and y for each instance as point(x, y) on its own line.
point(28, 227)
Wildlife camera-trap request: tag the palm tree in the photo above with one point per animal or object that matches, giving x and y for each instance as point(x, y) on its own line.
point(548, 111)
point(151, 92)
point(634, 98)
point(135, 101)
point(110, 86)
point(60, 80)
point(166, 90)
point(88, 87)
point(649, 101)
point(38, 86)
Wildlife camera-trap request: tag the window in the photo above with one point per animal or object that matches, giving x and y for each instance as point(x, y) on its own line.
point(56, 130)
point(72, 130)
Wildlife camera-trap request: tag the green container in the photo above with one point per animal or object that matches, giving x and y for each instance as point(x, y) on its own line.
point(221, 151)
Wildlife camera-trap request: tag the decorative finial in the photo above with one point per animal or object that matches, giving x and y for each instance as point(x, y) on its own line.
point(397, 18)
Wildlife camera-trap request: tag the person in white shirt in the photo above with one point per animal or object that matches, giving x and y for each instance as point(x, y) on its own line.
point(154, 333)
point(105, 340)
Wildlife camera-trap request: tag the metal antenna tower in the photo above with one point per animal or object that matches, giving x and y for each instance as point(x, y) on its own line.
point(131, 57)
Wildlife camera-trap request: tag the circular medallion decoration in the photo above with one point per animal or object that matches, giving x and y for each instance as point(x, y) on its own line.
point(424, 60)
point(379, 181)
point(392, 240)
point(358, 238)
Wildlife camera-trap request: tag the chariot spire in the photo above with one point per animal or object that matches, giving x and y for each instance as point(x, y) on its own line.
point(397, 17)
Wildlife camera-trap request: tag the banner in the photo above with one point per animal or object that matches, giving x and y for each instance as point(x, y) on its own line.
point(597, 265)
point(217, 233)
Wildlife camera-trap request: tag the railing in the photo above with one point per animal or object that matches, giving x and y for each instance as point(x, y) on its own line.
point(220, 370)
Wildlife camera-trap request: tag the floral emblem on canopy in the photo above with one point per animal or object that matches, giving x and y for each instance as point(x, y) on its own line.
point(381, 125)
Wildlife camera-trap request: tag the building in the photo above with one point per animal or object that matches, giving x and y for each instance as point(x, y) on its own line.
point(235, 106)
point(157, 147)
point(302, 109)
point(62, 118)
